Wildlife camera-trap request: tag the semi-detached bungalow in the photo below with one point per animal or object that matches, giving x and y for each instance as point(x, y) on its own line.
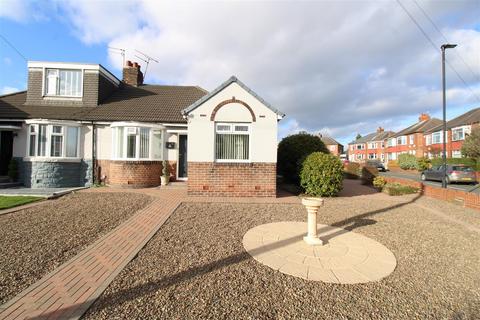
point(77, 123)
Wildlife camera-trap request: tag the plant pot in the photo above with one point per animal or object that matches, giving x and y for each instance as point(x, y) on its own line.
point(312, 205)
point(164, 180)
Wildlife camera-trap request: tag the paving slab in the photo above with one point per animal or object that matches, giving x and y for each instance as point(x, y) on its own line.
point(345, 258)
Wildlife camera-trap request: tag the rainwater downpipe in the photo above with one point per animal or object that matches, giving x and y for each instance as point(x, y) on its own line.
point(93, 153)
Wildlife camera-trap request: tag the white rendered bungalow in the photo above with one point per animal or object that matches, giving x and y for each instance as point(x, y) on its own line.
point(77, 124)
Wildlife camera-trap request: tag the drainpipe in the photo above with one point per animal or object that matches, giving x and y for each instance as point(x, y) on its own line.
point(94, 149)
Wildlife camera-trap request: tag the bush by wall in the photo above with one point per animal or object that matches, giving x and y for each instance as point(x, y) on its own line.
point(407, 161)
point(352, 170)
point(379, 182)
point(322, 175)
point(474, 163)
point(368, 174)
point(292, 150)
point(397, 189)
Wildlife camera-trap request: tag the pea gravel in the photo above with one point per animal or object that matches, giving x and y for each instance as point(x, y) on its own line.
point(196, 268)
point(35, 241)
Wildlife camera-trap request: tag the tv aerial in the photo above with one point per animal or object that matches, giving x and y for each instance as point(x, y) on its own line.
point(121, 51)
point(146, 58)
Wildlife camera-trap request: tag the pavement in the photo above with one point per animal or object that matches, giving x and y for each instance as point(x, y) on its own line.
point(455, 186)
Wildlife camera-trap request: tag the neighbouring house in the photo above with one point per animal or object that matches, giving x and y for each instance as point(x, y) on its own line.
point(335, 147)
point(457, 130)
point(369, 147)
point(410, 140)
point(77, 124)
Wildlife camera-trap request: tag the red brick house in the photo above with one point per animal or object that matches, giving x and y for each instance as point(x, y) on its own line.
point(77, 124)
point(410, 140)
point(369, 147)
point(457, 130)
point(335, 147)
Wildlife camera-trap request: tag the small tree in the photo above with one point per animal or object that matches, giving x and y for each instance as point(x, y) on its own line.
point(322, 175)
point(471, 146)
point(407, 161)
point(358, 136)
point(292, 150)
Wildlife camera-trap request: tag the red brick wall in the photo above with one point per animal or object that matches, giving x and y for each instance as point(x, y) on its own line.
point(133, 174)
point(469, 199)
point(232, 179)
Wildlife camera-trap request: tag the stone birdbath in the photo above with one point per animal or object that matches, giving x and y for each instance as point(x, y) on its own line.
point(312, 204)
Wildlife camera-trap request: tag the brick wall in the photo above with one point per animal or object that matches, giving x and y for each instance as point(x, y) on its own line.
point(469, 199)
point(132, 174)
point(232, 179)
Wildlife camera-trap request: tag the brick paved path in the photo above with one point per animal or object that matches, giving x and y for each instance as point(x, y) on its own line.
point(70, 289)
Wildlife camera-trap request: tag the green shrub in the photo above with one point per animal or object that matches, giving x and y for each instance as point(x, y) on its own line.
point(423, 163)
point(407, 161)
point(368, 174)
point(352, 170)
point(13, 169)
point(292, 150)
point(474, 163)
point(322, 174)
point(379, 182)
point(397, 189)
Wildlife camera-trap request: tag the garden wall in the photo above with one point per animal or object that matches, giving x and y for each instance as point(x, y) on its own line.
point(469, 199)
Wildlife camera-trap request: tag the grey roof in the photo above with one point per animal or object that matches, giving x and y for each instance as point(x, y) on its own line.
point(231, 80)
point(469, 117)
point(330, 141)
point(421, 126)
point(156, 103)
point(375, 136)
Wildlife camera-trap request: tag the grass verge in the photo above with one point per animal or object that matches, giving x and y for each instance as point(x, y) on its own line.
point(7, 202)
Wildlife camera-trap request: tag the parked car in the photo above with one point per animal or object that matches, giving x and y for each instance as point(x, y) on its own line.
point(455, 173)
point(376, 164)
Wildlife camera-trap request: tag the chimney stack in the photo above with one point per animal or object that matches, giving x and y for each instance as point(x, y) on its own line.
point(423, 117)
point(132, 74)
point(380, 129)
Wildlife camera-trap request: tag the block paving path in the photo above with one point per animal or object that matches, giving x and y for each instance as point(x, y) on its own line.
point(68, 291)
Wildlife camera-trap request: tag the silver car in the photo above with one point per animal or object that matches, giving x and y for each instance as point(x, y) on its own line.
point(455, 173)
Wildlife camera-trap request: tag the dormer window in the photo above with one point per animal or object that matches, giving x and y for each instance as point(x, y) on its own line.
point(63, 83)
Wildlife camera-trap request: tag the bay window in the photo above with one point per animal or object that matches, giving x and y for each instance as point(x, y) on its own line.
point(64, 83)
point(137, 142)
point(53, 141)
point(232, 142)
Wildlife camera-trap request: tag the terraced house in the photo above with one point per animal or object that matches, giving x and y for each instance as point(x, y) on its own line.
point(369, 147)
point(77, 124)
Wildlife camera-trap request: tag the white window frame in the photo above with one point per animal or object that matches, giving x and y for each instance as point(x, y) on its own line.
point(232, 131)
point(137, 126)
point(464, 129)
point(53, 96)
point(403, 141)
point(440, 140)
point(48, 143)
point(411, 139)
point(456, 153)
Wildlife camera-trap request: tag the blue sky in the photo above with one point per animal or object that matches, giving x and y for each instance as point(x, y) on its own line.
point(338, 67)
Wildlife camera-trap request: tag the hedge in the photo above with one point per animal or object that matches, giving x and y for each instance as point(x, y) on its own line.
point(322, 175)
point(407, 161)
point(352, 170)
point(368, 174)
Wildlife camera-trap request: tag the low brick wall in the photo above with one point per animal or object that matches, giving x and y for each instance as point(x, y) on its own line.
point(469, 199)
point(132, 174)
point(232, 179)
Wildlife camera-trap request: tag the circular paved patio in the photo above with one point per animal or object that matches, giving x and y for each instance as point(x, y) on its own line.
point(347, 257)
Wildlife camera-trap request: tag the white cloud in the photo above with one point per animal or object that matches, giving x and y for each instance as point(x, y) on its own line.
point(25, 10)
point(7, 90)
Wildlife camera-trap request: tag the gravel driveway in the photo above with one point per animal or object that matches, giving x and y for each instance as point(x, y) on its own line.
point(195, 267)
point(36, 240)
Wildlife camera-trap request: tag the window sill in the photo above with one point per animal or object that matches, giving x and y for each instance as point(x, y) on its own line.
point(51, 159)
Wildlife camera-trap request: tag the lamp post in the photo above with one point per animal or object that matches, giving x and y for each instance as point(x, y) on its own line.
point(444, 156)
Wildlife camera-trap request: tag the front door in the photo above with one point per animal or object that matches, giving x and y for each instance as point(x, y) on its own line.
point(6, 148)
point(182, 156)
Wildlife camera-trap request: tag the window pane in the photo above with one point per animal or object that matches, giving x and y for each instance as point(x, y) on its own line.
point(56, 146)
point(232, 147)
point(51, 82)
point(70, 83)
point(240, 128)
point(72, 140)
point(57, 129)
point(144, 142)
point(119, 142)
point(223, 127)
point(157, 144)
point(42, 140)
point(33, 139)
point(131, 146)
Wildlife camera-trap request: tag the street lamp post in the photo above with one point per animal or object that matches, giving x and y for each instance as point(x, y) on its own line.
point(444, 156)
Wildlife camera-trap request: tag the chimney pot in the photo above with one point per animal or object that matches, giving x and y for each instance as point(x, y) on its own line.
point(129, 63)
point(135, 64)
point(423, 117)
point(380, 129)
